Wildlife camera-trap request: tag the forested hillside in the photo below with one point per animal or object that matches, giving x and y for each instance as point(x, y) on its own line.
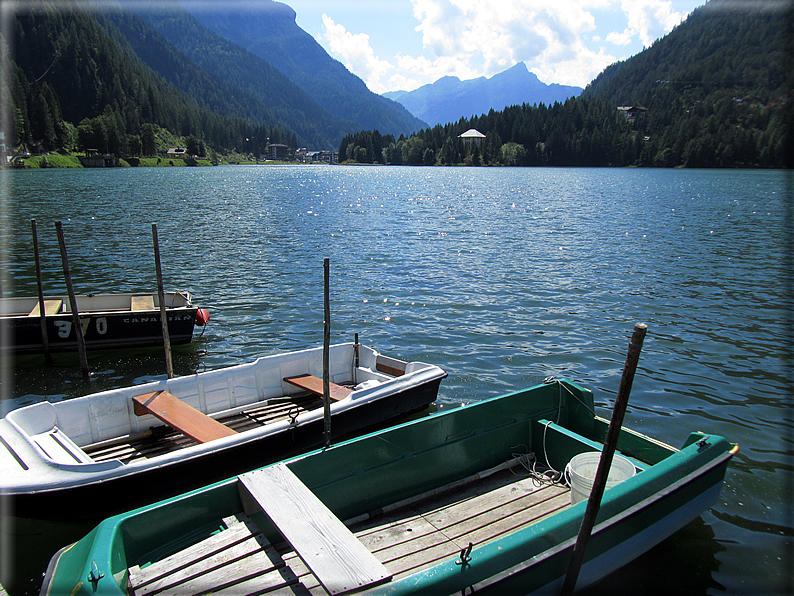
point(268, 29)
point(74, 86)
point(715, 92)
point(85, 75)
point(222, 76)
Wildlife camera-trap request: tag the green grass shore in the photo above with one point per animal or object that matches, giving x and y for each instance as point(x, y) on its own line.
point(56, 160)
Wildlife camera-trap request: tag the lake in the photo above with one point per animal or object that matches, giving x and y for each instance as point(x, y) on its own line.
point(502, 277)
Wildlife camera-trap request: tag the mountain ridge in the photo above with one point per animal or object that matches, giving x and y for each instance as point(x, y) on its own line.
point(268, 29)
point(448, 99)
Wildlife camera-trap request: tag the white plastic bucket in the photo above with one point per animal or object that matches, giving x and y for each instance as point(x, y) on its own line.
point(581, 470)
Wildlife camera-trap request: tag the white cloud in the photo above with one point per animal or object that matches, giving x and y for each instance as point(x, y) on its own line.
point(621, 39)
point(357, 54)
point(472, 38)
point(650, 19)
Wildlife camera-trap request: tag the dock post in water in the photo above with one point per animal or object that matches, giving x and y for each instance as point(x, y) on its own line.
point(326, 353)
point(610, 444)
point(78, 328)
point(45, 340)
point(169, 367)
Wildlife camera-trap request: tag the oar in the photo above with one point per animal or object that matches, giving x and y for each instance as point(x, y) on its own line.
point(610, 444)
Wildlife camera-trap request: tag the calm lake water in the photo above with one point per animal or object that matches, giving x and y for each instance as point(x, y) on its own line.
point(500, 276)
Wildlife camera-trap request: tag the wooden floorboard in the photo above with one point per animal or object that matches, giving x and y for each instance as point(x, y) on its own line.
point(236, 561)
point(436, 530)
point(404, 541)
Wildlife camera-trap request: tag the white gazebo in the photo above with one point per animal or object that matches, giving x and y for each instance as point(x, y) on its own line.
point(472, 136)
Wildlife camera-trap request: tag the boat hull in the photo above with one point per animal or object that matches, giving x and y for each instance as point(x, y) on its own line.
point(102, 328)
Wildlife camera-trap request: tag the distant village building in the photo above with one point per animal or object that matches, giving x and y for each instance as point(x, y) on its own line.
point(472, 136)
point(305, 156)
point(177, 153)
point(277, 152)
point(631, 112)
point(95, 159)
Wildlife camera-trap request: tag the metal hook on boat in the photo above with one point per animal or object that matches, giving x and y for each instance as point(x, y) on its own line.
point(465, 556)
point(95, 575)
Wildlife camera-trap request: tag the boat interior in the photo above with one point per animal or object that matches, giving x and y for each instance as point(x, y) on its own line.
point(159, 440)
point(139, 427)
point(434, 527)
point(20, 307)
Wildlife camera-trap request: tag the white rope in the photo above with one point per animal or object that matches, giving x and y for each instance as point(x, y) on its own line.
point(530, 464)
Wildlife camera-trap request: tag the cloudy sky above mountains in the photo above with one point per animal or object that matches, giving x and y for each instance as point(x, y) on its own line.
point(403, 44)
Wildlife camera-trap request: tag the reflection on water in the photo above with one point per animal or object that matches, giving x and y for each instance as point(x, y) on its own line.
point(500, 276)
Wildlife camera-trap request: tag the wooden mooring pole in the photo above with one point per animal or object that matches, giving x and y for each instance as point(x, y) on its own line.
point(326, 352)
point(45, 340)
point(169, 367)
point(78, 328)
point(610, 444)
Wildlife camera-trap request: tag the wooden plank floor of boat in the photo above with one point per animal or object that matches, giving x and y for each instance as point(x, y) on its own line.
point(408, 540)
point(165, 440)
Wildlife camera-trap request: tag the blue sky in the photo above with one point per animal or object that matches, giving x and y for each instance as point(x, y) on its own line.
point(403, 44)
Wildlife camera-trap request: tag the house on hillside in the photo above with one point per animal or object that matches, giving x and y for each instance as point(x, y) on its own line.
point(630, 113)
point(472, 136)
point(177, 153)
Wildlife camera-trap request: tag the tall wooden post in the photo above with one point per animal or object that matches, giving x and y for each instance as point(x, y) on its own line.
point(45, 340)
point(610, 444)
point(78, 328)
point(169, 367)
point(326, 353)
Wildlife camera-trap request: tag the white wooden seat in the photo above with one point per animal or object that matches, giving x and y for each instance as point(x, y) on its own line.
point(142, 302)
point(333, 554)
point(51, 307)
point(60, 448)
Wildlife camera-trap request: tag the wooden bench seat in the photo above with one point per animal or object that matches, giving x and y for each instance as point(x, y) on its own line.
point(181, 416)
point(142, 302)
point(339, 561)
point(315, 385)
point(51, 307)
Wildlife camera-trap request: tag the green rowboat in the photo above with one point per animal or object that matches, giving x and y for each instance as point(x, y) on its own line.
point(468, 498)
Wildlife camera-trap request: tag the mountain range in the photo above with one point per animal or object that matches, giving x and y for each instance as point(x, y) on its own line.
point(449, 98)
point(715, 92)
point(240, 41)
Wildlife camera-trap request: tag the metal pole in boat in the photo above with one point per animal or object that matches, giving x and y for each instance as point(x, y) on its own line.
point(610, 444)
point(78, 328)
point(355, 360)
point(326, 354)
point(45, 340)
point(169, 367)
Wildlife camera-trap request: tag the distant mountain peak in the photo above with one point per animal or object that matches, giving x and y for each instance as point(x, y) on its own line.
point(449, 98)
